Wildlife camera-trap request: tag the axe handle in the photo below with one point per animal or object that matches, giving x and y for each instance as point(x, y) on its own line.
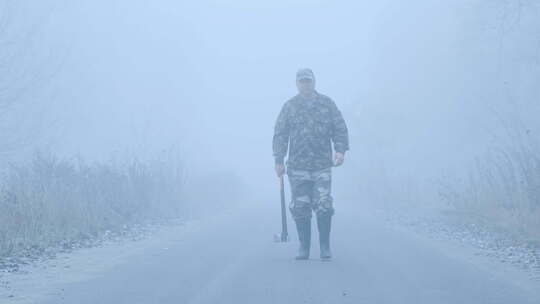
point(284, 232)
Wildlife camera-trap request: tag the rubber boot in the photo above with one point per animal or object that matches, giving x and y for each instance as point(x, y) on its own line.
point(303, 226)
point(324, 224)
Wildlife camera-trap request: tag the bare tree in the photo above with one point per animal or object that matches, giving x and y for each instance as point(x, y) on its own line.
point(21, 77)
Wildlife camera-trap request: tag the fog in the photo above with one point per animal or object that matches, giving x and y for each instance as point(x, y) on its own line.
point(428, 90)
point(211, 77)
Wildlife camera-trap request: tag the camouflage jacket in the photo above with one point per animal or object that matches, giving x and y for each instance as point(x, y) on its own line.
point(308, 127)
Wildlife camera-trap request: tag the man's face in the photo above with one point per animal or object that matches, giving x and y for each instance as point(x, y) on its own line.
point(305, 85)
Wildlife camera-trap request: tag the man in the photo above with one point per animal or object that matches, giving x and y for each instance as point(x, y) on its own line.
point(306, 126)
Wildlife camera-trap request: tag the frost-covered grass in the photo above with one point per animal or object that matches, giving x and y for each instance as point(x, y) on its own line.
point(502, 189)
point(50, 200)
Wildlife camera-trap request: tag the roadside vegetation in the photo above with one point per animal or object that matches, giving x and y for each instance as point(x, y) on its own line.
point(50, 200)
point(503, 188)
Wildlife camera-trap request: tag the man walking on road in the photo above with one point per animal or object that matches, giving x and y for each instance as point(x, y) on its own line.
point(307, 126)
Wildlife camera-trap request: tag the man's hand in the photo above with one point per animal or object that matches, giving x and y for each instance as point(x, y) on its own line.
point(339, 158)
point(280, 170)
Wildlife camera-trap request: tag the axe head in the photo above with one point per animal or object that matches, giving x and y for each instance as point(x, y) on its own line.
point(281, 238)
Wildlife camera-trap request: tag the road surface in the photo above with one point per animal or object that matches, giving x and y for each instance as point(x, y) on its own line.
point(232, 259)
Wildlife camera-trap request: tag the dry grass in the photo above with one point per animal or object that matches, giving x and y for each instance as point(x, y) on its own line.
point(52, 200)
point(503, 189)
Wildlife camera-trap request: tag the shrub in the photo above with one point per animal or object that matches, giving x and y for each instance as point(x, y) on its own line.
point(50, 200)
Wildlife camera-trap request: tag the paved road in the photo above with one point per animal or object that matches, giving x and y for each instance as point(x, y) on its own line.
point(232, 259)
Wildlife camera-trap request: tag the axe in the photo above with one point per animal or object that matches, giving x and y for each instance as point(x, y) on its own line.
point(284, 236)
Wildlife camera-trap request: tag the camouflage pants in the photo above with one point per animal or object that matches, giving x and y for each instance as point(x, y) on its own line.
point(310, 191)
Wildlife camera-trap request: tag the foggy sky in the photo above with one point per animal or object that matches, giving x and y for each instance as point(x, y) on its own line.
point(210, 77)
